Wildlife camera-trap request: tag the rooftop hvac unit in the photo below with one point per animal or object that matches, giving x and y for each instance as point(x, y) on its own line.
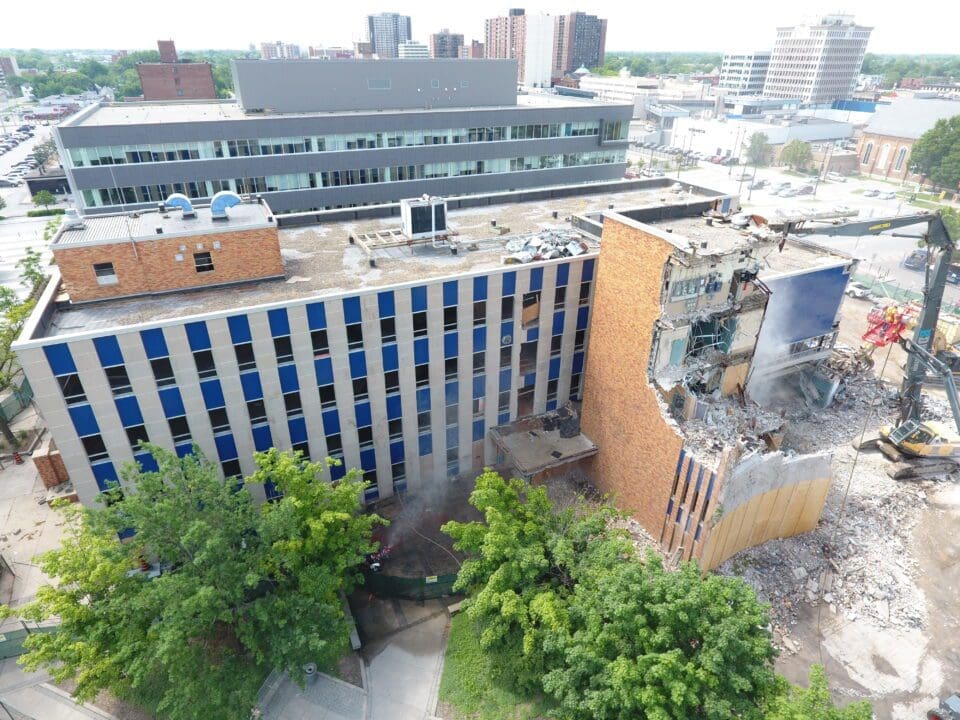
point(72, 220)
point(221, 201)
point(181, 201)
point(424, 217)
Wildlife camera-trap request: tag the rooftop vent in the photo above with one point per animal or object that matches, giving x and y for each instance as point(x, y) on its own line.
point(183, 202)
point(221, 201)
point(72, 220)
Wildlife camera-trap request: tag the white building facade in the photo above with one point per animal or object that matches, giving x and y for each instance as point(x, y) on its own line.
point(538, 51)
point(744, 73)
point(411, 49)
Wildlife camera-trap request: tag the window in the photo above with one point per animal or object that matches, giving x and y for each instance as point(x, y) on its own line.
point(388, 330)
point(867, 153)
point(302, 448)
point(257, 410)
point(72, 388)
point(422, 374)
point(478, 406)
point(231, 468)
point(452, 414)
point(355, 336)
point(419, 324)
point(480, 312)
point(506, 308)
point(579, 339)
point(118, 379)
point(105, 273)
point(585, 292)
point(575, 386)
point(94, 447)
point(284, 349)
point(901, 156)
point(555, 344)
point(392, 380)
point(218, 420)
point(334, 443)
point(395, 429)
point(365, 436)
point(560, 295)
point(245, 358)
point(398, 472)
point(506, 354)
point(293, 404)
point(320, 345)
point(179, 429)
point(360, 388)
point(328, 397)
point(205, 365)
point(450, 318)
point(503, 401)
point(136, 435)
point(479, 361)
point(450, 368)
point(423, 420)
point(203, 262)
point(163, 371)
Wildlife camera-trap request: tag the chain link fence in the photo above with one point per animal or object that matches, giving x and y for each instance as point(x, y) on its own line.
point(18, 398)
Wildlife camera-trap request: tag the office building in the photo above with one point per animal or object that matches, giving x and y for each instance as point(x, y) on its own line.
point(393, 129)
point(413, 50)
point(819, 62)
point(473, 51)
point(175, 79)
point(581, 42)
point(505, 38)
point(458, 328)
point(8, 68)
point(446, 44)
point(538, 52)
point(386, 31)
point(279, 51)
point(321, 52)
point(744, 73)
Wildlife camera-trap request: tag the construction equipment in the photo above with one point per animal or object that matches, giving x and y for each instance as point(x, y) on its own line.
point(949, 709)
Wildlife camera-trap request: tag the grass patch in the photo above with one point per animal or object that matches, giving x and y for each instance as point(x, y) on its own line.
point(468, 690)
point(45, 213)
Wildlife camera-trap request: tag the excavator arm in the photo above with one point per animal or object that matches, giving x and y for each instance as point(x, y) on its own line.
point(932, 363)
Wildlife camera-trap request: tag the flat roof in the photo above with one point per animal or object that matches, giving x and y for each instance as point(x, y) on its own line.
point(148, 113)
point(320, 261)
point(541, 442)
point(142, 225)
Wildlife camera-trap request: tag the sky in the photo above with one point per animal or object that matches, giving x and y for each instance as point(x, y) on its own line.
point(651, 25)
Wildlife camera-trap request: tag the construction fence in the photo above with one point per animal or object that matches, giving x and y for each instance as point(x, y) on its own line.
point(423, 588)
point(881, 288)
point(18, 398)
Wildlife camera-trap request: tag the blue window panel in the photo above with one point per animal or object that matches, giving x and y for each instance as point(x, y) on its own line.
point(423, 399)
point(587, 272)
point(452, 392)
point(212, 394)
point(533, 334)
point(252, 389)
point(394, 407)
point(105, 475)
point(396, 451)
point(362, 412)
point(506, 331)
point(477, 430)
point(288, 378)
point(316, 316)
point(453, 437)
point(239, 328)
point(108, 350)
point(577, 362)
point(504, 380)
point(386, 304)
point(536, 279)
point(426, 444)
point(338, 471)
point(479, 386)
point(172, 402)
point(669, 507)
point(197, 336)
point(183, 449)
point(298, 430)
point(84, 421)
point(358, 364)
point(147, 462)
point(553, 371)
point(262, 440)
point(530, 379)
point(331, 422)
point(368, 459)
point(270, 490)
point(351, 310)
point(226, 447)
point(509, 283)
point(479, 339)
point(450, 293)
point(583, 316)
point(391, 360)
point(418, 299)
point(563, 274)
point(279, 322)
point(480, 288)
point(371, 494)
point(153, 343)
point(551, 405)
point(503, 418)
point(421, 351)
point(451, 346)
point(129, 410)
point(60, 359)
point(324, 369)
point(697, 535)
point(559, 318)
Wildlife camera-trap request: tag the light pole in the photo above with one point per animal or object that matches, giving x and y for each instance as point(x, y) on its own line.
point(736, 142)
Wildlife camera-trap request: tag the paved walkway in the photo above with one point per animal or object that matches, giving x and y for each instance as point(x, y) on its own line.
point(326, 699)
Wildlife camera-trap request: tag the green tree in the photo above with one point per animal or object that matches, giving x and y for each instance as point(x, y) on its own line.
point(796, 154)
point(759, 150)
point(13, 315)
point(31, 270)
point(3, 203)
point(814, 703)
point(43, 152)
point(45, 198)
point(936, 154)
point(243, 588)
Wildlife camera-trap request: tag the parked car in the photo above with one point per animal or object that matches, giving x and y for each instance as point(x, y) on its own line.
point(743, 175)
point(871, 193)
point(836, 177)
point(805, 190)
point(856, 290)
point(788, 192)
point(757, 184)
point(887, 195)
point(9, 182)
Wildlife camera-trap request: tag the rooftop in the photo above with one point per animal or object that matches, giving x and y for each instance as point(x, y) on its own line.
point(911, 117)
point(541, 442)
point(320, 261)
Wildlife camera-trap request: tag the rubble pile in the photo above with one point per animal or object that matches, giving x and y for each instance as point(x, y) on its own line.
point(726, 422)
point(545, 245)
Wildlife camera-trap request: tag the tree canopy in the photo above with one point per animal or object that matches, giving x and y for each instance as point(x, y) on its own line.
point(936, 154)
point(759, 151)
point(814, 703)
point(896, 67)
point(243, 589)
point(796, 154)
point(45, 198)
point(659, 63)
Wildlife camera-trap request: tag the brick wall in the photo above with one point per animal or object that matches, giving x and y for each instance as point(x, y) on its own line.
point(150, 265)
point(884, 164)
point(177, 81)
point(49, 464)
point(637, 462)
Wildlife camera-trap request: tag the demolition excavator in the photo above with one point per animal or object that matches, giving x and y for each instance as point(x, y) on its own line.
point(917, 447)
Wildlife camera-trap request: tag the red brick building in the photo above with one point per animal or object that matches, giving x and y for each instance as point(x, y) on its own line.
point(174, 79)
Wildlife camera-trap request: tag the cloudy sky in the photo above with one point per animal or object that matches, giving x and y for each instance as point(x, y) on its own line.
point(634, 24)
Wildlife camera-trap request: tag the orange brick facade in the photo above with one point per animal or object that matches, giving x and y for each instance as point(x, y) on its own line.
point(177, 81)
point(49, 465)
point(621, 412)
point(885, 156)
point(151, 266)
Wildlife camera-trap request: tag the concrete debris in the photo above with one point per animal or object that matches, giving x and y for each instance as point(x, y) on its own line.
point(724, 422)
point(545, 245)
